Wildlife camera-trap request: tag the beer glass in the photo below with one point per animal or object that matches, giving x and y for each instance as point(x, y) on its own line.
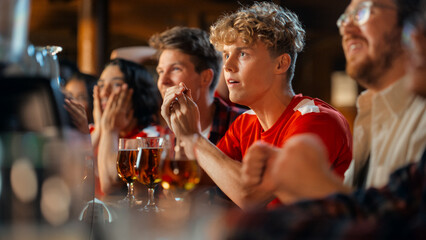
point(180, 172)
point(147, 168)
point(128, 151)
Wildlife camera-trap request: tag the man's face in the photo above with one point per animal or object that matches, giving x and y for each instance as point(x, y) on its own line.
point(175, 67)
point(371, 47)
point(248, 72)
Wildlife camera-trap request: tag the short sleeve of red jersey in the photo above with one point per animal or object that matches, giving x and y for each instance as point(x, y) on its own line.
point(334, 131)
point(230, 144)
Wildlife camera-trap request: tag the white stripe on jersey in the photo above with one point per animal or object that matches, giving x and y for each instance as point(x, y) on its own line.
point(306, 106)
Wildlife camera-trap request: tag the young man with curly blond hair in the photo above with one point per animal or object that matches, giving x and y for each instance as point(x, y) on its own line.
point(260, 46)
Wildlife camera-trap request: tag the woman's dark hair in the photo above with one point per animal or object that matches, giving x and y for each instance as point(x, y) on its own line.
point(90, 81)
point(146, 97)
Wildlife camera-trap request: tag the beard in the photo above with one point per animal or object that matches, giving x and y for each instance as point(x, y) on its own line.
point(368, 72)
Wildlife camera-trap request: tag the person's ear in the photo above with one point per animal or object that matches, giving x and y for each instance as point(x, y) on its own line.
point(207, 77)
point(283, 63)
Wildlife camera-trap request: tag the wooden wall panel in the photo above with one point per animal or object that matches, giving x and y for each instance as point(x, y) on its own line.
point(132, 22)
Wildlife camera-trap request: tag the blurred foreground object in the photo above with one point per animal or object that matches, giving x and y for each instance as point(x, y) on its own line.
point(46, 167)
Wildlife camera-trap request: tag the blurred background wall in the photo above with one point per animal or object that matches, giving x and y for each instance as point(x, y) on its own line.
point(88, 30)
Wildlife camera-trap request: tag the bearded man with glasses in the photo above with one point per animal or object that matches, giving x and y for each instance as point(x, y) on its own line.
point(390, 128)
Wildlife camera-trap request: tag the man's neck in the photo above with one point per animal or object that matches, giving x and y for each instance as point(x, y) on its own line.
point(390, 76)
point(269, 110)
point(206, 108)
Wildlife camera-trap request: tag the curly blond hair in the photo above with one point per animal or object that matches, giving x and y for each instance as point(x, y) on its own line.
point(277, 27)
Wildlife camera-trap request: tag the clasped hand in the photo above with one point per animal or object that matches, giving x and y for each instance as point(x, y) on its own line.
point(256, 168)
point(293, 172)
point(180, 111)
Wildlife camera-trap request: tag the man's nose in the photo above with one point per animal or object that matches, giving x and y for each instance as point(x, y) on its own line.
point(229, 65)
point(164, 79)
point(347, 26)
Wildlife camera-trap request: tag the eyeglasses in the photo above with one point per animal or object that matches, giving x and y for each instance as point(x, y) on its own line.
point(361, 13)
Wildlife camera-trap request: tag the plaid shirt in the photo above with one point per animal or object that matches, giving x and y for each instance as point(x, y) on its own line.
point(396, 211)
point(223, 116)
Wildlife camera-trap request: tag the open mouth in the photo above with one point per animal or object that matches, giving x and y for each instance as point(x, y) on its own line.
point(232, 81)
point(353, 45)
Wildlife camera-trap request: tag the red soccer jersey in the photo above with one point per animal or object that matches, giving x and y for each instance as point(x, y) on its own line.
point(302, 115)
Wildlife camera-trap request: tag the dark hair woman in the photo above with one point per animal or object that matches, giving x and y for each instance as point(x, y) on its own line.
point(126, 103)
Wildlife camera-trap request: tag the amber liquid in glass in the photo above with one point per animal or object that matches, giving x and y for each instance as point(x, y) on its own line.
point(147, 168)
point(180, 176)
point(126, 164)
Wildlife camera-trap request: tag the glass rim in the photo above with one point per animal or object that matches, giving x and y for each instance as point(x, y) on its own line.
point(148, 137)
point(125, 141)
point(127, 138)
